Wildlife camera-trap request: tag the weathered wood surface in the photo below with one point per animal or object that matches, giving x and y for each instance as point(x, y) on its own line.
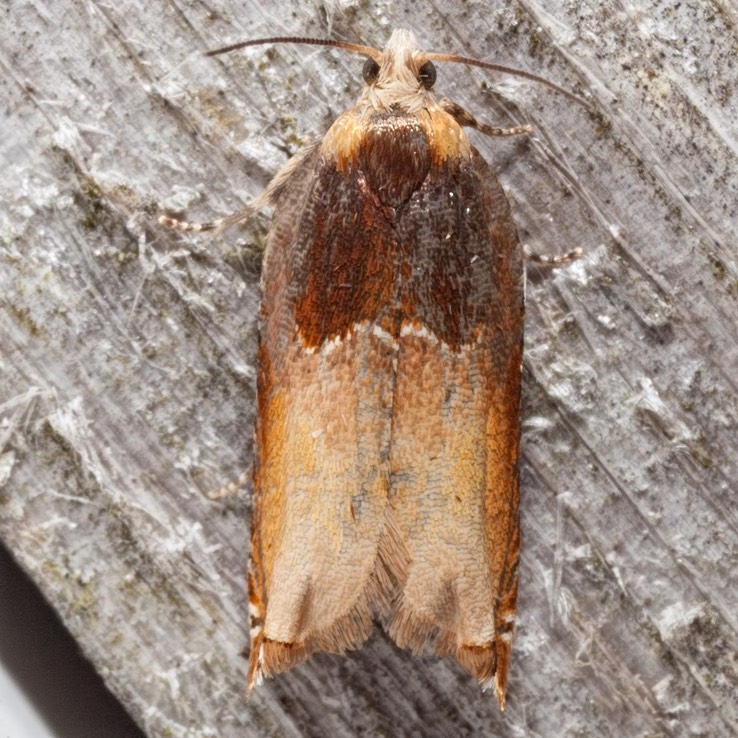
point(126, 375)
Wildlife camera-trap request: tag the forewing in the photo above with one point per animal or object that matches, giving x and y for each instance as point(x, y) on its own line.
point(324, 420)
point(454, 482)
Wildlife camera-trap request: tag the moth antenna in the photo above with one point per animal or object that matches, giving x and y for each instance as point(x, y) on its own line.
point(375, 54)
point(358, 48)
point(508, 70)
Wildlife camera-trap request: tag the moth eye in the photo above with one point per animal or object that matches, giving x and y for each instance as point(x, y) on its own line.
point(427, 75)
point(370, 71)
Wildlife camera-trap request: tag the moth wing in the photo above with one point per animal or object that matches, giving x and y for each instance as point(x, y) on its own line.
point(454, 482)
point(386, 470)
point(324, 420)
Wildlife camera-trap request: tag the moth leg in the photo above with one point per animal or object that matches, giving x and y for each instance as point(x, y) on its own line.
point(230, 489)
point(465, 118)
point(217, 225)
point(268, 197)
point(552, 261)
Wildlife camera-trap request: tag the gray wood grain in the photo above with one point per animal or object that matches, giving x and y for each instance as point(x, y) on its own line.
point(127, 364)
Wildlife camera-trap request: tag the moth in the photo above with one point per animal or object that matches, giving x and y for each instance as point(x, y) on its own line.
point(386, 476)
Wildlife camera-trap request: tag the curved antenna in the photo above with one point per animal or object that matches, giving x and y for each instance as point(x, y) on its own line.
point(507, 70)
point(365, 50)
point(376, 54)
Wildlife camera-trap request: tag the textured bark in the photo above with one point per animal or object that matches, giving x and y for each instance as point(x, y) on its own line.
point(126, 374)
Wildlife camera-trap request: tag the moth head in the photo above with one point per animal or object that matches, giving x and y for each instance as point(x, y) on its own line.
point(400, 76)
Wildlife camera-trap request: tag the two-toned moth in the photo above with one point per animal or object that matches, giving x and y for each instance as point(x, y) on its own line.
point(391, 335)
